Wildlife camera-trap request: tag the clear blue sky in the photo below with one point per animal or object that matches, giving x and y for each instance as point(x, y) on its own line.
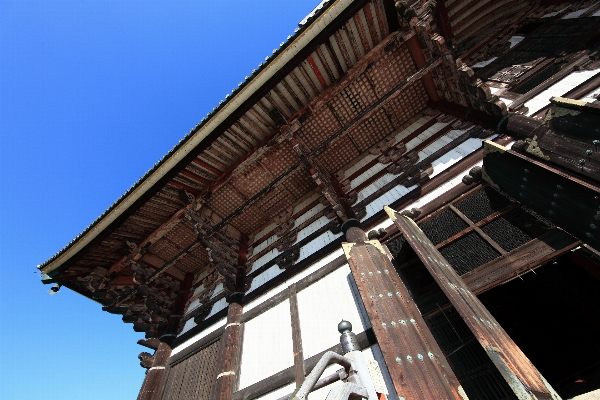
point(92, 94)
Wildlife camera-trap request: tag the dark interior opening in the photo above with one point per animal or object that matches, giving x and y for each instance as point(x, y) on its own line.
point(553, 315)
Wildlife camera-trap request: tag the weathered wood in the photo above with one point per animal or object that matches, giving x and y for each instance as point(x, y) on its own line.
point(229, 355)
point(417, 365)
point(521, 375)
point(299, 369)
point(196, 347)
point(477, 229)
point(155, 372)
point(523, 259)
point(562, 198)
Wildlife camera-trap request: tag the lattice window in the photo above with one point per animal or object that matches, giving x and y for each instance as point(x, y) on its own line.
point(194, 377)
point(482, 204)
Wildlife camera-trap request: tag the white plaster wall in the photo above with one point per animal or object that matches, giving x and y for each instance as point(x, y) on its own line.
point(221, 304)
point(323, 305)
point(199, 336)
point(317, 243)
point(561, 87)
point(283, 286)
point(429, 132)
point(267, 347)
point(278, 393)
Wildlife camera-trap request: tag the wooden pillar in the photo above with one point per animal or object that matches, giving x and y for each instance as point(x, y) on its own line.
point(414, 48)
point(230, 352)
point(154, 374)
point(521, 375)
point(418, 368)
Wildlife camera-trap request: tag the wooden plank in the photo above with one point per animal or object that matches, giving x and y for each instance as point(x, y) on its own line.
point(562, 198)
point(477, 229)
point(522, 259)
point(521, 375)
point(527, 257)
point(299, 368)
point(418, 368)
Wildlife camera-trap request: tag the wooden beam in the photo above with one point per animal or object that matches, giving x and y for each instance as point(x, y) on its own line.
point(414, 48)
point(520, 374)
point(477, 229)
point(412, 356)
point(515, 263)
point(443, 21)
point(299, 368)
point(155, 373)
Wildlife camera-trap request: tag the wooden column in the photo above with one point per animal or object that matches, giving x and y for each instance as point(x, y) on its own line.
point(418, 368)
point(414, 48)
point(299, 367)
point(230, 353)
point(154, 374)
point(521, 375)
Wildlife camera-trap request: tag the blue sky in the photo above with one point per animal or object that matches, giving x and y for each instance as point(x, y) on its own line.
point(92, 94)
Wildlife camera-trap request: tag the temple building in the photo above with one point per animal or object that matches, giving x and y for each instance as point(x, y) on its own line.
point(427, 170)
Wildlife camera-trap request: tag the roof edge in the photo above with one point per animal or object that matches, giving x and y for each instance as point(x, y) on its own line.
point(290, 49)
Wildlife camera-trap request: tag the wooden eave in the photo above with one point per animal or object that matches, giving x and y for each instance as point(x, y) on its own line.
point(310, 35)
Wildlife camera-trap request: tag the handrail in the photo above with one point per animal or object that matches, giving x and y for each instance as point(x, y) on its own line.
point(311, 380)
point(321, 383)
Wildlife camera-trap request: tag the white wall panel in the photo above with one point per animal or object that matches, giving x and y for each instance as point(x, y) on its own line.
point(411, 128)
point(323, 305)
point(278, 393)
point(355, 167)
point(439, 143)
point(199, 336)
point(218, 306)
point(375, 186)
point(457, 154)
point(311, 228)
point(558, 89)
point(267, 347)
point(307, 215)
point(265, 258)
point(366, 175)
point(266, 276)
point(283, 286)
point(263, 245)
point(316, 244)
point(386, 199)
point(429, 132)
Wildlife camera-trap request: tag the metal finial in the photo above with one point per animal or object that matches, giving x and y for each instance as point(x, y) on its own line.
point(344, 326)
